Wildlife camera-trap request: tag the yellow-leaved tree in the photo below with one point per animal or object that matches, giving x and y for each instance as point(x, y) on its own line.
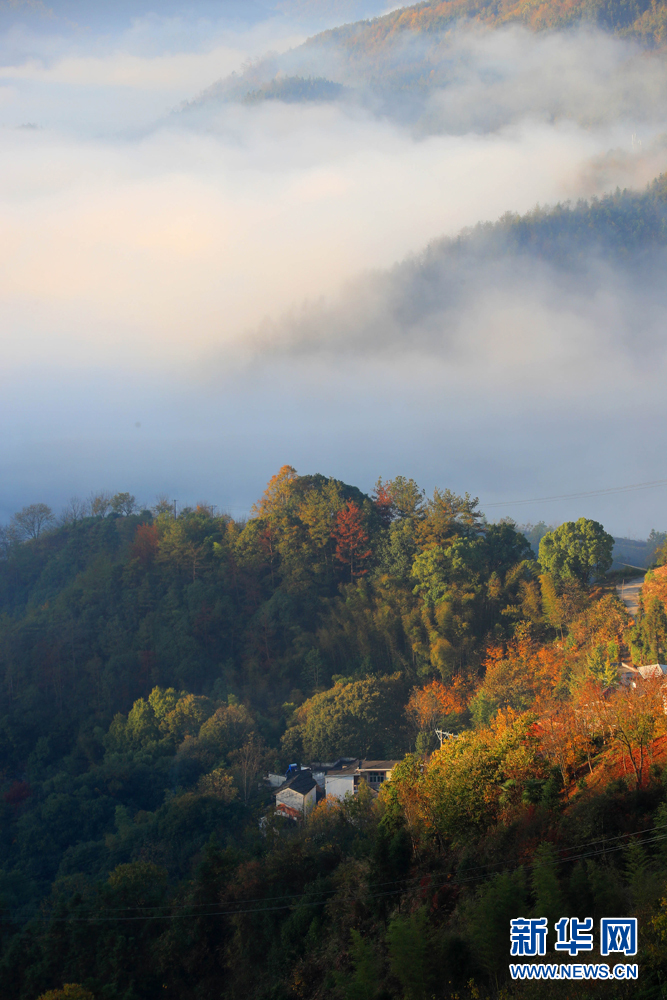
point(70, 991)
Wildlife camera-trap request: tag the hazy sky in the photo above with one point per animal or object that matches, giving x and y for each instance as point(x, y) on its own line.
point(155, 266)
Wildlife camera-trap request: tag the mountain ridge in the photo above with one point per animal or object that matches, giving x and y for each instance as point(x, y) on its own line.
point(642, 19)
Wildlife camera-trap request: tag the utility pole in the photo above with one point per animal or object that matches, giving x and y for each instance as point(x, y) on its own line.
point(442, 734)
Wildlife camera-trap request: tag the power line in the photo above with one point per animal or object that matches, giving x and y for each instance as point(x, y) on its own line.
point(450, 879)
point(580, 496)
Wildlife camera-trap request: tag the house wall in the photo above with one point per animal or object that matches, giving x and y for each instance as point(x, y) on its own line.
point(288, 811)
point(338, 786)
point(290, 799)
point(310, 799)
point(294, 803)
point(375, 778)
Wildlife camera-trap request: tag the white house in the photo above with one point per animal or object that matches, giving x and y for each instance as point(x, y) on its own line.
point(342, 781)
point(345, 780)
point(296, 797)
point(651, 670)
point(319, 769)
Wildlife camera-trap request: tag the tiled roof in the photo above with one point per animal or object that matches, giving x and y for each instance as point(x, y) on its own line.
point(347, 769)
point(301, 783)
point(378, 765)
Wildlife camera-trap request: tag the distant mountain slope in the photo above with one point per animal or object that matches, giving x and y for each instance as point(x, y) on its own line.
point(576, 258)
point(640, 18)
point(619, 225)
point(441, 67)
point(633, 553)
point(292, 89)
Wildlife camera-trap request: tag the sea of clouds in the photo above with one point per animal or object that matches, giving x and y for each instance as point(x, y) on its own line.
point(195, 290)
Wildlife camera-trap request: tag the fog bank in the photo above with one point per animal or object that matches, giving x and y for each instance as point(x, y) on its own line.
point(193, 294)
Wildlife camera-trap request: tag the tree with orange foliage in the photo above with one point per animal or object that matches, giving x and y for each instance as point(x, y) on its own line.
point(565, 738)
point(517, 676)
point(655, 581)
point(429, 705)
point(351, 539)
point(277, 494)
point(602, 624)
point(458, 791)
point(633, 718)
point(449, 516)
point(585, 717)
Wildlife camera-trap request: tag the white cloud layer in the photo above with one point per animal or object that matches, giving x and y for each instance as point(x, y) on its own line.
point(144, 260)
point(186, 241)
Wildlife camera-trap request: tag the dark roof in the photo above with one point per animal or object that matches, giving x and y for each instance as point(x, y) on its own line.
point(350, 768)
point(334, 765)
point(301, 783)
point(378, 765)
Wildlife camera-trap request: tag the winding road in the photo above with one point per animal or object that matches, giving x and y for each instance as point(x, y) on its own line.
point(629, 590)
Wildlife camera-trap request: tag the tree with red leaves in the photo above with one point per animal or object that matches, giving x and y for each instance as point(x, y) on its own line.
point(146, 543)
point(351, 539)
point(383, 502)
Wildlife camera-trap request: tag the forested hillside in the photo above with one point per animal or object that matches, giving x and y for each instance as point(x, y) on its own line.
point(568, 253)
point(643, 19)
point(155, 664)
point(331, 749)
point(98, 612)
point(390, 64)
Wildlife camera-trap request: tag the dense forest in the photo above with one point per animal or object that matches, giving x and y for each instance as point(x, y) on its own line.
point(156, 663)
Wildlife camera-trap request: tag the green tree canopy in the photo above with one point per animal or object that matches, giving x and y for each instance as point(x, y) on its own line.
point(362, 718)
point(577, 550)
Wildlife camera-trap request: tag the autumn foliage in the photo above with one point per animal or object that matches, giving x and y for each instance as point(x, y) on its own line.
point(429, 705)
point(146, 543)
point(655, 585)
point(351, 537)
point(383, 502)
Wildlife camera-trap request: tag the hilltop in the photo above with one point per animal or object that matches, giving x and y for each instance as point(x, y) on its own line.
point(156, 663)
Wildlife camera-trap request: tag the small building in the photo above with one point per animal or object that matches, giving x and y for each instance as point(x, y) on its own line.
point(376, 771)
point(296, 797)
point(342, 781)
point(630, 675)
point(320, 768)
point(651, 670)
point(345, 780)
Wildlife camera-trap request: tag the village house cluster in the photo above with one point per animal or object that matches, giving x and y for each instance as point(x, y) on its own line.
point(302, 787)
